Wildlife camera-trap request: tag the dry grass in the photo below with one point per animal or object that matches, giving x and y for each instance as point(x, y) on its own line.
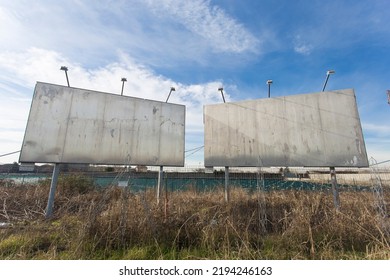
point(116, 224)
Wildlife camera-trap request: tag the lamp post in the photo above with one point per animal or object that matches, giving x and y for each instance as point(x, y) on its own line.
point(172, 89)
point(123, 84)
point(227, 189)
point(221, 90)
point(161, 171)
point(328, 73)
point(335, 189)
point(64, 68)
point(269, 82)
point(56, 171)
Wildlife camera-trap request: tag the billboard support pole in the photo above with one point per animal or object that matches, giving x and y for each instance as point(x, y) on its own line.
point(53, 186)
point(227, 189)
point(269, 82)
point(159, 183)
point(335, 188)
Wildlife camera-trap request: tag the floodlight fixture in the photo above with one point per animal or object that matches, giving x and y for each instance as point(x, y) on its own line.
point(223, 97)
point(172, 89)
point(269, 82)
point(65, 69)
point(123, 84)
point(328, 73)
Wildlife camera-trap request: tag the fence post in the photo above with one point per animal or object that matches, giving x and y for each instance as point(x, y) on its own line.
point(227, 188)
point(159, 183)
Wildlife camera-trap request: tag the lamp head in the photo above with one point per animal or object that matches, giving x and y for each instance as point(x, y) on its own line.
point(329, 72)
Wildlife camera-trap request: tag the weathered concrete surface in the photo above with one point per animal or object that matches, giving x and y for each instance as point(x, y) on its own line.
point(70, 125)
point(320, 130)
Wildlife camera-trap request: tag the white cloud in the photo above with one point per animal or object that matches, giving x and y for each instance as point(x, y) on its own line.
point(23, 69)
point(222, 32)
point(9, 26)
point(303, 49)
point(91, 32)
point(377, 129)
point(301, 46)
point(377, 141)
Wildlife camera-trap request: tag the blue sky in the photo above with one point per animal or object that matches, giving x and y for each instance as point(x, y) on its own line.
point(196, 46)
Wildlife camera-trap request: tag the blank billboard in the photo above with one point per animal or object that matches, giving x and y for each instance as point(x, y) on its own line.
point(314, 130)
point(71, 125)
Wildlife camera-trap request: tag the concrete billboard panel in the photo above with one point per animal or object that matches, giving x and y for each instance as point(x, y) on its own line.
point(71, 125)
point(307, 130)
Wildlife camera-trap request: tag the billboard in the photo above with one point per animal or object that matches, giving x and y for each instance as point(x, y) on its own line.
point(307, 130)
point(71, 125)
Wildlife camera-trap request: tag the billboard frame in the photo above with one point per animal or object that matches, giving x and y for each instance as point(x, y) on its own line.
point(74, 125)
point(306, 130)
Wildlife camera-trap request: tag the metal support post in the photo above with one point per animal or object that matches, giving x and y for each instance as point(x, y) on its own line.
point(328, 73)
point(65, 69)
point(223, 97)
point(53, 186)
point(269, 82)
point(172, 89)
point(326, 81)
point(227, 189)
point(335, 188)
point(159, 183)
point(123, 84)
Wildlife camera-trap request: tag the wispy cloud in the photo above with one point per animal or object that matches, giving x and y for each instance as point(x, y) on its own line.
point(210, 22)
point(301, 46)
point(161, 34)
point(326, 25)
point(378, 129)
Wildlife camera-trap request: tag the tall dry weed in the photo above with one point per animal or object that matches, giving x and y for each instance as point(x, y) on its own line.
point(111, 223)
